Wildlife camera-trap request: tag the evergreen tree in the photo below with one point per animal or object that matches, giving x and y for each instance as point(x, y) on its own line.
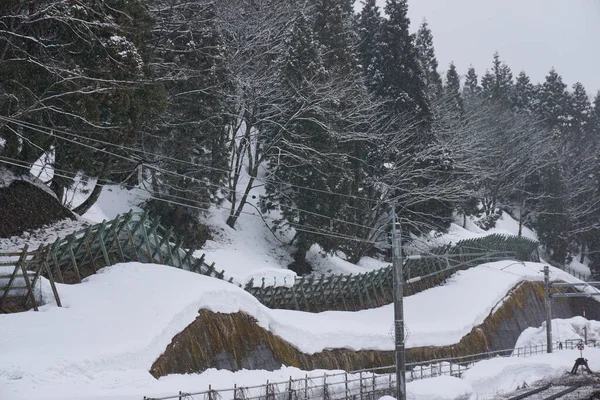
point(592, 237)
point(553, 224)
point(523, 94)
point(551, 103)
point(579, 109)
point(313, 143)
point(594, 125)
point(497, 84)
point(74, 67)
point(487, 84)
point(189, 61)
point(333, 29)
point(427, 60)
point(452, 89)
point(471, 86)
point(370, 45)
point(402, 83)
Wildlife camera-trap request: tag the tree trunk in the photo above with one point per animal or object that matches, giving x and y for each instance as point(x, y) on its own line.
point(234, 217)
point(89, 202)
point(93, 197)
point(58, 189)
point(582, 256)
point(300, 266)
point(520, 233)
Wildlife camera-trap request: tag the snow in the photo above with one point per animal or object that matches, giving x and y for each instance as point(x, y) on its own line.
point(113, 200)
point(505, 225)
point(112, 327)
point(7, 178)
point(571, 329)
point(117, 322)
point(439, 388)
point(44, 235)
point(498, 376)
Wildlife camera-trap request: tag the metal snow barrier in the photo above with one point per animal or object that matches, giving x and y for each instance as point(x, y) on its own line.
point(137, 237)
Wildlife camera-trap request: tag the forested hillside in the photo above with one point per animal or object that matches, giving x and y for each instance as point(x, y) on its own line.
point(340, 116)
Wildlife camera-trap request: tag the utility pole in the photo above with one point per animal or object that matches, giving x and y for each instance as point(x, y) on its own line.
point(584, 327)
point(398, 309)
point(548, 301)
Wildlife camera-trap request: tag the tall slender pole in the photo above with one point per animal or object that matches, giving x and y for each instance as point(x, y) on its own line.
point(548, 301)
point(398, 310)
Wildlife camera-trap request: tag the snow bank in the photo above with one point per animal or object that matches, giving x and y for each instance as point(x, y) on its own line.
point(113, 200)
point(116, 323)
point(439, 388)
point(503, 375)
point(562, 329)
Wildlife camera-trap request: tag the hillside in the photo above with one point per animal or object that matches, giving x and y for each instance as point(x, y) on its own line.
point(27, 204)
point(117, 323)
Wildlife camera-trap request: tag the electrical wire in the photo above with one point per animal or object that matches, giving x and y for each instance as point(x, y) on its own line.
point(298, 227)
point(43, 129)
point(239, 193)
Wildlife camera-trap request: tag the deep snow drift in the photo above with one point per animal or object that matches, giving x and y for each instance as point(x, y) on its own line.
point(117, 322)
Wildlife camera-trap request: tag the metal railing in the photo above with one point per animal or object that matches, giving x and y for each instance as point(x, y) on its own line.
point(367, 384)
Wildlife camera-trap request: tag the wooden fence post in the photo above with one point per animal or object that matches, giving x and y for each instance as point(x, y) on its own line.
point(13, 276)
point(21, 264)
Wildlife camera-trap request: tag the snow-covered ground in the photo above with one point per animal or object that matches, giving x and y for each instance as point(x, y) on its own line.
point(117, 322)
point(102, 343)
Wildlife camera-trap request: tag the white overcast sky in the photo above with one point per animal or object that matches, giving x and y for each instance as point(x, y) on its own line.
point(530, 35)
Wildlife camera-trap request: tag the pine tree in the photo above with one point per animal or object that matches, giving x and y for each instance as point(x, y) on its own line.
point(333, 29)
point(402, 82)
point(497, 84)
point(487, 84)
point(190, 62)
point(592, 237)
point(594, 126)
point(523, 94)
point(555, 219)
point(370, 46)
point(553, 224)
point(452, 89)
point(314, 143)
point(551, 102)
point(75, 67)
point(579, 109)
point(471, 86)
point(427, 60)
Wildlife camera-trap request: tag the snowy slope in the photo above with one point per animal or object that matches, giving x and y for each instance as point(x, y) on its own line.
point(116, 323)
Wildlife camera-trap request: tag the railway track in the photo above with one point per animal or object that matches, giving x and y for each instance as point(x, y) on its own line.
point(553, 392)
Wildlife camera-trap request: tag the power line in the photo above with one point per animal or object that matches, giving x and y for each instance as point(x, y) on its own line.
point(298, 227)
point(373, 229)
point(42, 129)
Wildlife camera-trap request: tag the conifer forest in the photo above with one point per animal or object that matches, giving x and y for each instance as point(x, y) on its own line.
point(341, 116)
